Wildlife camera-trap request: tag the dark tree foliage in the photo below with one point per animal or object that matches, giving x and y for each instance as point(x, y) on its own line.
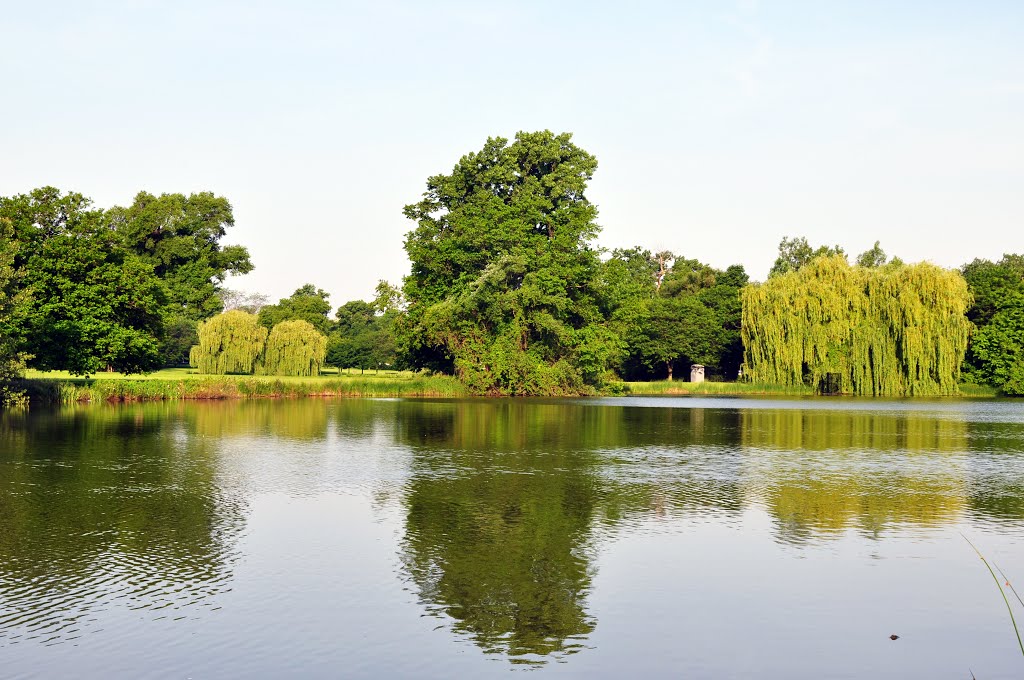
point(96, 304)
point(308, 303)
point(995, 355)
point(180, 237)
point(14, 302)
point(501, 289)
point(670, 316)
point(795, 253)
point(873, 257)
point(357, 339)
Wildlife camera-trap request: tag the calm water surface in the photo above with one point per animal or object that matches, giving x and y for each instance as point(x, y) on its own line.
point(689, 537)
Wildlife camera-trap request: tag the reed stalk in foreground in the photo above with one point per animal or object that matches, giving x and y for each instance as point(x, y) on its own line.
point(1001, 591)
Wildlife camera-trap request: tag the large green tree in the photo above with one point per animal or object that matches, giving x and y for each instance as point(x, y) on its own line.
point(995, 355)
point(501, 289)
point(96, 304)
point(180, 237)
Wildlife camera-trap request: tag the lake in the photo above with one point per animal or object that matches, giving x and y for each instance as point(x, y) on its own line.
point(615, 537)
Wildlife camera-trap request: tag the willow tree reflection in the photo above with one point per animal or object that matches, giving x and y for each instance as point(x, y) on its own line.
point(819, 472)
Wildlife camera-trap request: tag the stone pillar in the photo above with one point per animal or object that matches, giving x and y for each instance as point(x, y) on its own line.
point(697, 373)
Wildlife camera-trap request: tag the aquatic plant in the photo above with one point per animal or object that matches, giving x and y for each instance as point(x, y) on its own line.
point(1001, 592)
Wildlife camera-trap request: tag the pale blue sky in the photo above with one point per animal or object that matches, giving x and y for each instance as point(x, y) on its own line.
point(718, 127)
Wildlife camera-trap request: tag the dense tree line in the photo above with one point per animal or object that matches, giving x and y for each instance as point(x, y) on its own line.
point(507, 290)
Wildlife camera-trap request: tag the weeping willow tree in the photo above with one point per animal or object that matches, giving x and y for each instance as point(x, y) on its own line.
point(896, 330)
point(231, 342)
point(294, 348)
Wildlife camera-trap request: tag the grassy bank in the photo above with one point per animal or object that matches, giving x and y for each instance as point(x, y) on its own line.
point(180, 383)
point(175, 384)
point(665, 387)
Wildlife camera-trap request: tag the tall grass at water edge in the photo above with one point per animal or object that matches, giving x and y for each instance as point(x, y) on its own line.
point(70, 391)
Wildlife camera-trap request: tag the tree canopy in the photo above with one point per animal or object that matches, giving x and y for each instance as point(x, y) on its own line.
point(13, 306)
point(308, 303)
point(796, 253)
point(995, 355)
point(231, 342)
point(293, 348)
point(502, 269)
point(889, 331)
point(96, 304)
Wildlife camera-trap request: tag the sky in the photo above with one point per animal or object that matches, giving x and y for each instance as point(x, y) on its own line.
point(719, 127)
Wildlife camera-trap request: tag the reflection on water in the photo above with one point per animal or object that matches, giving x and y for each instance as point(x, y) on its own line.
point(502, 510)
point(499, 513)
point(107, 508)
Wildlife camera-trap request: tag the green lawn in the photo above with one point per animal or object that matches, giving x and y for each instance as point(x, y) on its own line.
point(192, 374)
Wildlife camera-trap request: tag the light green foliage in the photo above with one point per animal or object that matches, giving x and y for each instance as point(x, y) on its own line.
point(231, 342)
point(293, 348)
point(308, 303)
point(503, 270)
point(796, 253)
point(889, 331)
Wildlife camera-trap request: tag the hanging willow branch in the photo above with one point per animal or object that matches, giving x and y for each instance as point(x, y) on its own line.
point(228, 343)
point(294, 348)
point(896, 330)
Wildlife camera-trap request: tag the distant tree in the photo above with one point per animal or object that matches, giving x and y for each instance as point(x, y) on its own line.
point(874, 257)
point(293, 348)
point(238, 299)
point(231, 342)
point(687, 277)
point(677, 330)
point(308, 303)
point(364, 336)
point(795, 253)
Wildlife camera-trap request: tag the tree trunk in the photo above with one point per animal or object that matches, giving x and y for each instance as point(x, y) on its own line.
point(669, 364)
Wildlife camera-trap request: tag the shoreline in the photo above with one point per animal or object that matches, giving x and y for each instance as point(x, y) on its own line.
point(55, 391)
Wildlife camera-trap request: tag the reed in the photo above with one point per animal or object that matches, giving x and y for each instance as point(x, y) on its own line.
point(70, 391)
point(1002, 592)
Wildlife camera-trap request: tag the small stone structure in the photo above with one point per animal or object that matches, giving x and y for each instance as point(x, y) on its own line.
point(697, 373)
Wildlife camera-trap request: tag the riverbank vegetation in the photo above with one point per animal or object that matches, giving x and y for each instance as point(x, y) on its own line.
point(508, 294)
